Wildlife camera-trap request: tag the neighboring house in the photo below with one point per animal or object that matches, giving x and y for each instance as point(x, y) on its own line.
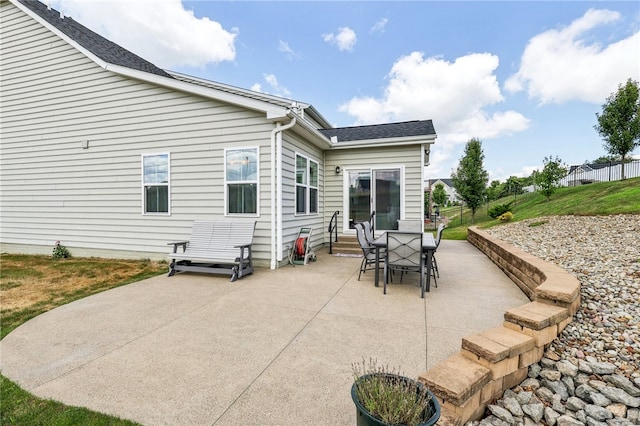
point(115, 157)
point(452, 195)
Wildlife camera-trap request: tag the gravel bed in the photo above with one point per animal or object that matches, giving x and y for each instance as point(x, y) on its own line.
point(590, 374)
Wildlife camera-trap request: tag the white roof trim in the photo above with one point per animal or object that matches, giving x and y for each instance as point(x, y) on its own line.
point(371, 143)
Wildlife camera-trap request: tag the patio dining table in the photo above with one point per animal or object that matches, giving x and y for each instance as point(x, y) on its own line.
point(428, 247)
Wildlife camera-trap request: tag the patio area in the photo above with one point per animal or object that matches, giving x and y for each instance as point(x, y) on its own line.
point(274, 348)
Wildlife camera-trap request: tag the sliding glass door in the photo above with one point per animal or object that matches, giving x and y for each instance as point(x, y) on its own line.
point(376, 190)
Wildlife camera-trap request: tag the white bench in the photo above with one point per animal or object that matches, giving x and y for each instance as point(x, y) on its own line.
point(215, 247)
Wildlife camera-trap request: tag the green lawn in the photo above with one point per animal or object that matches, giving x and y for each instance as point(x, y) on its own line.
point(605, 198)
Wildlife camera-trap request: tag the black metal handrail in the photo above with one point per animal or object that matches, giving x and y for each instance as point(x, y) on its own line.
point(373, 222)
point(333, 227)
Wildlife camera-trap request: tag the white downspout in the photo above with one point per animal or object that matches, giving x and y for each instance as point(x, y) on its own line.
point(276, 195)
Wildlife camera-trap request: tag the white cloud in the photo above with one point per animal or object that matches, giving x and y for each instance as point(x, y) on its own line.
point(284, 47)
point(455, 95)
point(162, 32)
point(274, 87)
point(560, 65)
point(379, 26)
point(345, 38)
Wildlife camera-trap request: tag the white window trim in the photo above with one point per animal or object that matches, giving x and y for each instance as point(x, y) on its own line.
point(168, 185)
point(226, 183)
point(307, 186)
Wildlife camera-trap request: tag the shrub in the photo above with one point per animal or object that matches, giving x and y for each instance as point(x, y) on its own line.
point(60, 251)
point(498, 210)
point(505, 217)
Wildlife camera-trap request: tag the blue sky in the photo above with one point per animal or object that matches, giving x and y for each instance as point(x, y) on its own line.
point(525, 77)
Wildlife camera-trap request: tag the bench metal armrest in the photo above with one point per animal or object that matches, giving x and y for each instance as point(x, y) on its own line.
point(175, 245)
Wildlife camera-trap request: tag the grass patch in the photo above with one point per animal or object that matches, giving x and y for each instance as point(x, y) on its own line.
point(537, 223)
point(604, 198)
point(21, 408)
point(31, 285)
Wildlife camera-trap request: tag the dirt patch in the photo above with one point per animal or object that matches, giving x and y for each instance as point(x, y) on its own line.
point(27, 281)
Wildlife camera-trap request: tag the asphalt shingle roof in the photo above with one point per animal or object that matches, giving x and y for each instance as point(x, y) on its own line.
point(382, 131)
point(95, 43)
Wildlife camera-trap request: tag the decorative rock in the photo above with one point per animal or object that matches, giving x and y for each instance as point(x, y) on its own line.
point(502, 414)
point(535, 411)
point(513, 406)
point(550, 416)
point(585, 367)
point(545, 394)
point(623, 383)
point(557, 387)
point(524, 397)
point(603, 367)
point(575, 404)
point(617, 409)
point(633, 415)
point(550, 375)
point(531, 383)
point(569, 384)
point(566, 368)
point(599, 413)
point(590, 421)
point(583, 391)
point(618, 395)
point(599, 399)
point(566, 420)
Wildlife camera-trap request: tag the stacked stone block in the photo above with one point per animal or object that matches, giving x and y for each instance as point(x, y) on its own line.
point(494, 360)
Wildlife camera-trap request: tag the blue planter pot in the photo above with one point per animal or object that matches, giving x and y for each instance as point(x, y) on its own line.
point(366, 419)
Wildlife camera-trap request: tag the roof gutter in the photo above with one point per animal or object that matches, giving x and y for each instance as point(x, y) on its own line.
point(276, 190)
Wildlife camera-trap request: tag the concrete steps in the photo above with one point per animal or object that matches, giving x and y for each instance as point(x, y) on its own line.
point(346, 245)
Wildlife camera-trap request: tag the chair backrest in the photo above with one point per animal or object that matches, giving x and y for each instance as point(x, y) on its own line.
point(439, 234)
point(404, 249)
point(410, 225)
point(364, 244)
point(368, 234)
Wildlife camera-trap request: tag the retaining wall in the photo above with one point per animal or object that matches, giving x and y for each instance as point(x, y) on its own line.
point(498, 359)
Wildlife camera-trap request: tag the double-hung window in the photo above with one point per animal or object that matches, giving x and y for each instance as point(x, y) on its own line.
point(241, 180)
point(155, 183)
point(306, 185)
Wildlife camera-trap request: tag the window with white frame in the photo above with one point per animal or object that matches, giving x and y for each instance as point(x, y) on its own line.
point(241, 180)
point(155, 183)
point(306, 185)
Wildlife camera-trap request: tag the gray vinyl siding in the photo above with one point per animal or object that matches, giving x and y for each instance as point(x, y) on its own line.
point(408, 156)
point(54, 98)
point(291, 223)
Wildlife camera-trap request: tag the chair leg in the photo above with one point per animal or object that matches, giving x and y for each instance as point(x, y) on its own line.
point(362, 265)
point(434, 265)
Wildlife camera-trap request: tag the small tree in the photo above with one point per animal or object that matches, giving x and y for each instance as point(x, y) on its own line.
point(494, 190)
point(619, 123)
point(439, 195)
point(470, 179)
point(547, 180)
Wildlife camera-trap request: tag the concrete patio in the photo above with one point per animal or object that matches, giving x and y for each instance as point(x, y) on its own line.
point(274, 348)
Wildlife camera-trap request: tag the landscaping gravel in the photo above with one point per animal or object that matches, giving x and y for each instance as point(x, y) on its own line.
point(590, 374)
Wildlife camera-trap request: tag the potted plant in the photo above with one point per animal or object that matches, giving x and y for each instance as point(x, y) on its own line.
point(386, 397)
